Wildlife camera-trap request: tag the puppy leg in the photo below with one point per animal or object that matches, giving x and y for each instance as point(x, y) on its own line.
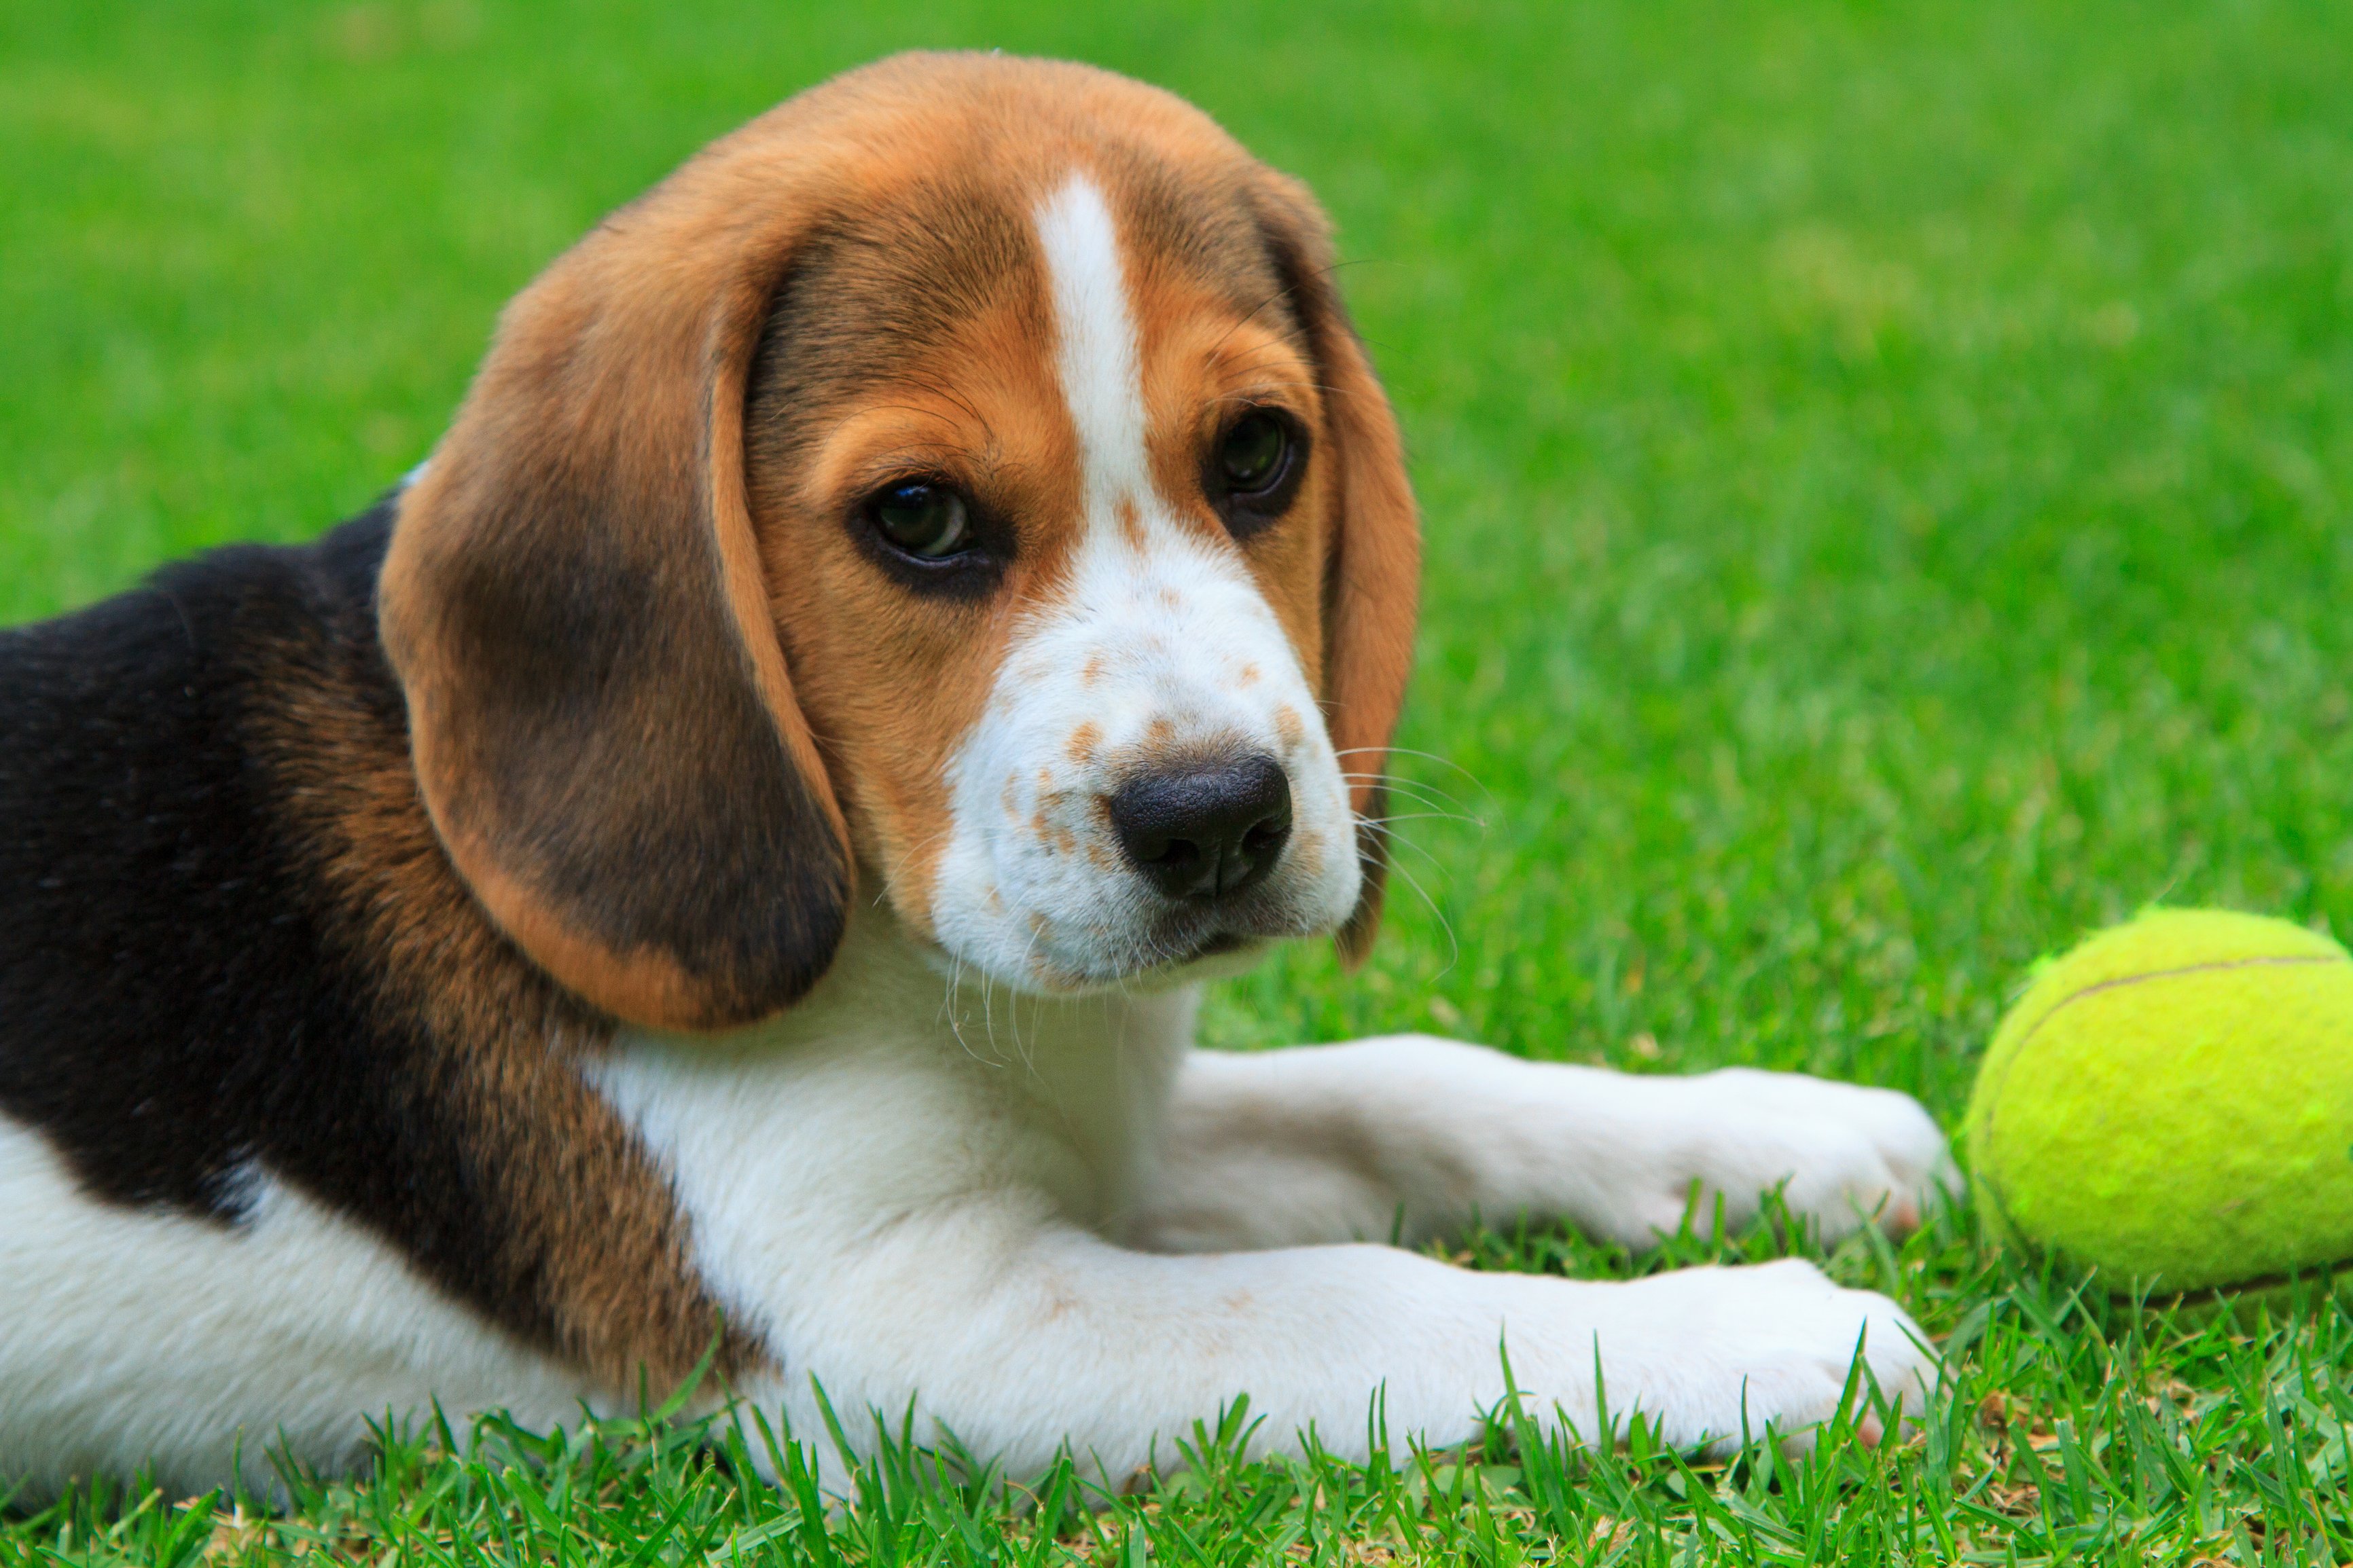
point(1014, 1331)
point(900, 1220)
point(1353, 1141)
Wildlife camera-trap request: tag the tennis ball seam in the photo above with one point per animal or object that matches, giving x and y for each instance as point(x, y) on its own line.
point(2266, 960)
point(2010, 1056)
point(1986, 1180)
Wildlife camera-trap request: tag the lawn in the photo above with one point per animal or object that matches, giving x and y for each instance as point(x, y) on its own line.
point(1889, 471)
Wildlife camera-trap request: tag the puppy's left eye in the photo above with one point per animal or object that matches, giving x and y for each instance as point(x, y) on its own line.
point(1253, 471)
point(929, 522)
point(1251, 458)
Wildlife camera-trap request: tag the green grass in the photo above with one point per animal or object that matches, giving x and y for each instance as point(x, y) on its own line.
point(1890, 482)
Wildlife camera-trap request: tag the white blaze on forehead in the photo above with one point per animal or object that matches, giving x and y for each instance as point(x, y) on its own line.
point(1095, 349)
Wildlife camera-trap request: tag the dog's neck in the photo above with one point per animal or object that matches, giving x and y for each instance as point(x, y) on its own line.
point(900, 1043)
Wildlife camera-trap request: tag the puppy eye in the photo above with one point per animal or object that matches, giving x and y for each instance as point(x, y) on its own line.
point(1254, 453)
point(1253, 473)
point(929, 522)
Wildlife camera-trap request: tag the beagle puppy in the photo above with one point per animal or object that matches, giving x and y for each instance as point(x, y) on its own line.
point(723, 860)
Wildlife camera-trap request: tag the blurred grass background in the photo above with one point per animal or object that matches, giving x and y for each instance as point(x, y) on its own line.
point(1887, 466)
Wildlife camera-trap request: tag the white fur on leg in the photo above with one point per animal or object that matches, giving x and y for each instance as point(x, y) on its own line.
point(1332, 1142)
point(916, 1196)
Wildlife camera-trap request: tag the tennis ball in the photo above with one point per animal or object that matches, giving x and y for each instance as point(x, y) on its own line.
point(2172, 1102)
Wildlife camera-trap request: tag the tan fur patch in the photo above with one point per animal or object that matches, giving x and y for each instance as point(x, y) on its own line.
point(892, 680)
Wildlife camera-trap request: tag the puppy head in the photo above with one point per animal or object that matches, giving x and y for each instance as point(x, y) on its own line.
point(967, 473)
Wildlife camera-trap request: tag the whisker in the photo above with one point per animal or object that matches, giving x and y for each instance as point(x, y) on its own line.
point(1415, 793)
point(1398, 841)
point(1453, 947)
point(1435, 807)
point(1409, 752)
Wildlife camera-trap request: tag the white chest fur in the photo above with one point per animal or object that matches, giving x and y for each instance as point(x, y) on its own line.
point(894, 1085)
point(897, 1103)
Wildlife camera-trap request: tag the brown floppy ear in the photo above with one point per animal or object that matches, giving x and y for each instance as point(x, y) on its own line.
point(1373, 576)
point(602, 725)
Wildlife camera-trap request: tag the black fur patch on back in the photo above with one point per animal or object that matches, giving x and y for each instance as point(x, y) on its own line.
point(167, 1014)
point(228, 942)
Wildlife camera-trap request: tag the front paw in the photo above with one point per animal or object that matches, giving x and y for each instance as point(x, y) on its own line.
point(1711, 1356)
point(1863, 1154)
point(1842, 1155)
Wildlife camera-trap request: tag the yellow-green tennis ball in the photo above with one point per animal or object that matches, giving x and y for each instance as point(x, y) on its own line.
point(2172, 1102)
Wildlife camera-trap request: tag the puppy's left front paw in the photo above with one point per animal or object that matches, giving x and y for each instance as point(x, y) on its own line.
point(1850, 1154)
point(1841, 1154)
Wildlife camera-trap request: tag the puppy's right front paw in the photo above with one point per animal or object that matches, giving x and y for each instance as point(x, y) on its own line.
point(1709, 1355)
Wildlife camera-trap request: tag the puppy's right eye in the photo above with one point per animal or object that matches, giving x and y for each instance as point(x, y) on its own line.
point(929, 522)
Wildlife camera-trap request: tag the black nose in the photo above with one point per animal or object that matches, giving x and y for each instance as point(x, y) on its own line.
point(1204, 832)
